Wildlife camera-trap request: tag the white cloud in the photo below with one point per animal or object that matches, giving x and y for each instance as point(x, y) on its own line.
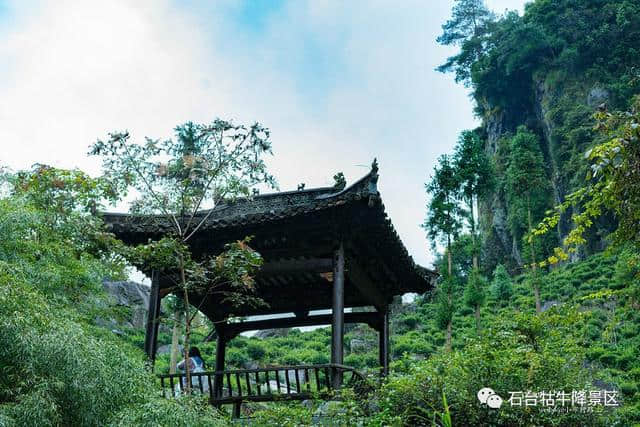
point(80, 69)
point(74, 70)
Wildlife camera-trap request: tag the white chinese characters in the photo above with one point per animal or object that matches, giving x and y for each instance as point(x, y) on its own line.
point(552, 399)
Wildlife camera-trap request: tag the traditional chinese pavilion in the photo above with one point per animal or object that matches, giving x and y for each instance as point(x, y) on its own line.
point(330, 248)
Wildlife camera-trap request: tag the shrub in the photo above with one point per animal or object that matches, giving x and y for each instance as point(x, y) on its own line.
point(628, 388)
point(283, 416)
point(255, 351)
point(608, 358)
point(527, 353)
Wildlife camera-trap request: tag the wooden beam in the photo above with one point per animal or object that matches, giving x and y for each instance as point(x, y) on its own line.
point(365, 285)
point(216, 314)
point(314, 265)
point(370, 318)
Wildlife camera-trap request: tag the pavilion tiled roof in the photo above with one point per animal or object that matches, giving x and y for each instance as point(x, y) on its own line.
point(267, 210)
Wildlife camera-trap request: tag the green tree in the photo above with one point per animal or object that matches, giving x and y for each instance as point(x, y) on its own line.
point(255, 351)
point(58, 366)
point(475, 294)
point(475, 177)
point(442, 225)
point(181, 181)
point(68, 200)
point(501, 286)
point(526, 187)
point(446, 308)
point(466, 27)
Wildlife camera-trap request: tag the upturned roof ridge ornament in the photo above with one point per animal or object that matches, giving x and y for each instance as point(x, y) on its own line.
point(373, 183)
point(339, 181)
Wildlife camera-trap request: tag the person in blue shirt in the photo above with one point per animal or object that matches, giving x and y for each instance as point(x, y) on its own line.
point(195, 361)
point(196, 365)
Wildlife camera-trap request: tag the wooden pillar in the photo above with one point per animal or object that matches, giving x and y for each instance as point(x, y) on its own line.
point(153, 318)
point(237, 406)
point(221, 345)
point(337, 324)
point(383, 347)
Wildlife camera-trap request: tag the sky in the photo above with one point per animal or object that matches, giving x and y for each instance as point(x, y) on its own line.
point(338, 83)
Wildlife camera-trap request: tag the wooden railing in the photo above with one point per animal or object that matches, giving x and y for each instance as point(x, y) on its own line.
point(267, 384)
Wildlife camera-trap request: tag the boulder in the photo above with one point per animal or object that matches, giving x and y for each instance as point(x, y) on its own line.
point(597, 96)
point(549, 304)
point(358, 345)
point(251, 364)
point(328, 409)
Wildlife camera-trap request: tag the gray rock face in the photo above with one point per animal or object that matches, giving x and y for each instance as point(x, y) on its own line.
point(358, 345)
point(128, 293)
point(597, 95)
point(251, 365)
point(548, 305)
point(268, 333)
point(330, 408)
point(133, 295)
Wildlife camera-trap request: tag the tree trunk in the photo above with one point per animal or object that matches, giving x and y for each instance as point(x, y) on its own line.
point(477, 314)
point(536, 292)
point(473, 235)
point(449, 299)
point(449, 260)
point(187, 327)
point(174, 343)
point(534, 266)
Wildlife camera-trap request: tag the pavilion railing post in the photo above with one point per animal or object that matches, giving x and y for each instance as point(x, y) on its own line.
point(218, 378)
point(337, 325)
point(153, 318)
point(383, 347)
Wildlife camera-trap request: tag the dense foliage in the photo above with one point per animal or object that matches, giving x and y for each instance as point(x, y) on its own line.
point(57, 367)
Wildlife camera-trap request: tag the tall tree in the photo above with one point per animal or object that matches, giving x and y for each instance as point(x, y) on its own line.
point(180, 181)
point(468, 23)
point(526, 186)
point(475, 294)
point(442, 225)
point(501, 287)
point(475, 177)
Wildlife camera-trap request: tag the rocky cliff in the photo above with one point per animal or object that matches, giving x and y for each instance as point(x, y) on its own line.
point(560, 112)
